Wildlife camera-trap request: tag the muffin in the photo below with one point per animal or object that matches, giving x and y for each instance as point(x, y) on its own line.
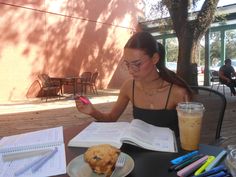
point(102, 158)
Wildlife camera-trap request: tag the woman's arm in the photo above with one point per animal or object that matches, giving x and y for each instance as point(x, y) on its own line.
point(222, 76)
point(116, 111)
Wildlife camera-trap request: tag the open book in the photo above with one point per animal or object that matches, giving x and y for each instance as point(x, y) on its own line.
point(46, 139)
point(138, 133)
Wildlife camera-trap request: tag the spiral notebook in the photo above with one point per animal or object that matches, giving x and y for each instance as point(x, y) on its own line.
point(43, 139)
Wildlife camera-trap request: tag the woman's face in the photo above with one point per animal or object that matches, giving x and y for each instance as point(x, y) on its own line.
point(138, 63)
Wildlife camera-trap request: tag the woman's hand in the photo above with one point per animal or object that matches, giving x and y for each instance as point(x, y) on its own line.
point(84, 105)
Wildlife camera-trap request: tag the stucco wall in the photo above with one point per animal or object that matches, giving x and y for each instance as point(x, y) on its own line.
point(62, 38)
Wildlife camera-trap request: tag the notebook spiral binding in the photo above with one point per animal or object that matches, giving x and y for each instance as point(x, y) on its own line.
point(28, 147)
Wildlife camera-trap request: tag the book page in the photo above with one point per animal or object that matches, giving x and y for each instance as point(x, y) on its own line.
point(41, 138)
point(100, 133)
point(150, 137)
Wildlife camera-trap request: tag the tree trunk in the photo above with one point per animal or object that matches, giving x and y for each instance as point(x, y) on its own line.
point(189, 32)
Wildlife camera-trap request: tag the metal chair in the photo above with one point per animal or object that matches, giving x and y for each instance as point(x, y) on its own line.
point(49, 87)
point(84, 79)
point(92, 83)
point(215, 80)
point(215, 104)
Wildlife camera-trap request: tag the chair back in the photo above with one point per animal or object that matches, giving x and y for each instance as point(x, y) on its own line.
point(86, 76)
point(45, 80)
point(215, 104)
point(94, 77)
point(214, 76)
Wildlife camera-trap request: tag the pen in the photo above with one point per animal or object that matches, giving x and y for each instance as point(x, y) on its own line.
point(182, 158)
point(216, 160)
point(189, 161)
point(22, 155)
point(212, 171)
point(203, 167)
point(44, 160)
point(186, 171)
point(30, 165)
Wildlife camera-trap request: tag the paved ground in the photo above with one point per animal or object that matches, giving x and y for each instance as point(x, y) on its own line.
point(19, 117)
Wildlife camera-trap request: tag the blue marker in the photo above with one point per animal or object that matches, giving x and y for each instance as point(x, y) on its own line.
point(212, 171)
point(220, 174)
point(182, 158)
point(216, 161)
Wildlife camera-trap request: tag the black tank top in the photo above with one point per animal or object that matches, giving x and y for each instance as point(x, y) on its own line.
point(162, 117)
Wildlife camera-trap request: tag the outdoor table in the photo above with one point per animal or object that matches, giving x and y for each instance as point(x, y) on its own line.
point(67, 81)
point(147, 163)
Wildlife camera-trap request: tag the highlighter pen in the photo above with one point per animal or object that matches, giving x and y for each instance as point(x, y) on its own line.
point(203, 167)
point(23, 155)
point(184, 164)
point(174, 167)
point(83, 99)
point(180, 159)
point(212, 171)
point(192, 167)
point(44, 160)
point(216, 161)
point(23, 169)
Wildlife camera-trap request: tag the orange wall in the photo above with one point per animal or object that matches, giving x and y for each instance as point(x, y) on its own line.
point(62, 38)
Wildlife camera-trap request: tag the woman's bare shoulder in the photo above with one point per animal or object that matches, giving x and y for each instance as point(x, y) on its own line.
point(126, 87)
point(180, 93)
point(127, 84)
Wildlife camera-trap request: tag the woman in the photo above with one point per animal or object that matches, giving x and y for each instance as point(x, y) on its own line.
point(154, 90)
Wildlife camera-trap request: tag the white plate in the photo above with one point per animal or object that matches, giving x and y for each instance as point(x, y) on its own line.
point(79, 168)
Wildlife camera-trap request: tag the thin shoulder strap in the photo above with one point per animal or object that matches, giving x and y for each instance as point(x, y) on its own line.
point(133, 92)
point(167, 100)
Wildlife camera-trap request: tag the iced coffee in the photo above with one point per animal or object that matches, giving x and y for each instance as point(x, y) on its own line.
point(190, 116)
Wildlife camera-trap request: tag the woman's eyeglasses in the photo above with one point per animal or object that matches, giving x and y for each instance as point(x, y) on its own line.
point(135, 65)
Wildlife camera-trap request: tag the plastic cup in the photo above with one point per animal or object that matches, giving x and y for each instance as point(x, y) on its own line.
point(230, 161)
point(190, 116)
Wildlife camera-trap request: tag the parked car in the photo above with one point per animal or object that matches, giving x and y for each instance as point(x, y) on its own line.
point(171, 66)
point(200, 69)
point(218, 65)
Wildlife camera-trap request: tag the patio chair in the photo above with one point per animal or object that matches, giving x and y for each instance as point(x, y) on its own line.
point(215, 80)
point(49, 87)
point(84, 80)
point(215, 104)
point(92, 83)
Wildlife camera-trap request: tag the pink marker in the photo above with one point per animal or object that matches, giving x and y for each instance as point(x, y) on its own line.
point(83, 99)
point(192, 167)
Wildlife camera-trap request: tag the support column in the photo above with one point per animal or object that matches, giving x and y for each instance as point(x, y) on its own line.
point(207, 59)
point(222, 46)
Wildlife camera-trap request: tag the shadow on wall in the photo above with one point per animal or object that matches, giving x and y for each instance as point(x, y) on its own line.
point(62, 39)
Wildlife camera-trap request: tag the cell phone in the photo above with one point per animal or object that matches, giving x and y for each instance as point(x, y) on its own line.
point(83, 99)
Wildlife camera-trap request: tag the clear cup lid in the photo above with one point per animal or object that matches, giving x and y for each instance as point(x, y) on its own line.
point(193, 106)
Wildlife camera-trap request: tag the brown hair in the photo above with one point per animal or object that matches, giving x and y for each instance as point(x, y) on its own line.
point(147, 43)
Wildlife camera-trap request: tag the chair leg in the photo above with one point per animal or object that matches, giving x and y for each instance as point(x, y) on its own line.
point(95, 89)
point(218, 86)
point(211, 88)
point(224, 89)
point(47, 95)
point(92, 89)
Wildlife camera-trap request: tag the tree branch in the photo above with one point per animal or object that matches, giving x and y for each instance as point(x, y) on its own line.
point(204, 17)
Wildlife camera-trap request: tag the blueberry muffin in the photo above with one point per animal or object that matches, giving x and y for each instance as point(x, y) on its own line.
point(102, 158)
